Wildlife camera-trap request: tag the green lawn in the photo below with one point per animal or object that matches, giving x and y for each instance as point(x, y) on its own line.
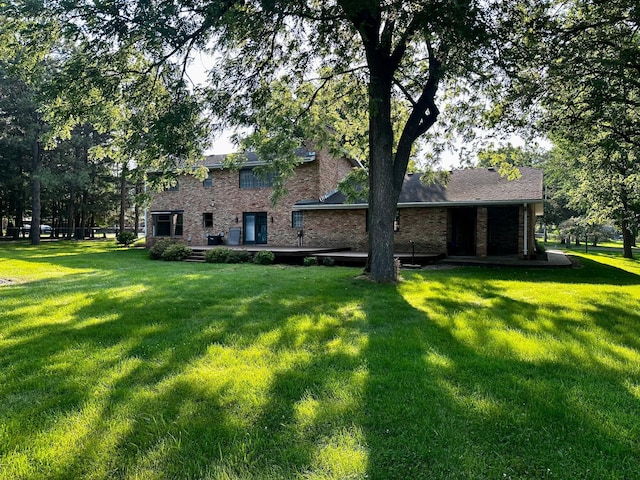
point(115, 366)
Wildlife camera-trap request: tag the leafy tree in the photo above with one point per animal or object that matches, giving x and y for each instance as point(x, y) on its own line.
point(560, 202)
point(400, 52)
point(507, 158)
point(19, 146)
point(605, 185)
point(583, 75)
point(586, 228)
point(124, 101)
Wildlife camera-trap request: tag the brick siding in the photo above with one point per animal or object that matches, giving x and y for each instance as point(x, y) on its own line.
point(426, 227)
point(226, 201)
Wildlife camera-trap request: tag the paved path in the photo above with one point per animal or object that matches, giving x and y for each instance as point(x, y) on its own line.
point(555, 259)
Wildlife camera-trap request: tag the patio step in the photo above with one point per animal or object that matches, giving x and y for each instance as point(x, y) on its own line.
point(197, 256)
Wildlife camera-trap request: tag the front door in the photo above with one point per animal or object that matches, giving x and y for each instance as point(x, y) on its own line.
point(255, 228)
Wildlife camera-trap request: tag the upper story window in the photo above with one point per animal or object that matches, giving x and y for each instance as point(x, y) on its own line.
point(208, 182)
point(173, 188)
point(248, 179)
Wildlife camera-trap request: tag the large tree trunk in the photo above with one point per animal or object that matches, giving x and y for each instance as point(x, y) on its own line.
point(627, 240)
point(35, 194)
point(71, 213)
point(123, 198)
point(83, 217)
point(136, 218)
point(383, 197)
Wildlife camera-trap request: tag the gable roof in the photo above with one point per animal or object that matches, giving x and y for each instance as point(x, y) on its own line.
point(465, 187)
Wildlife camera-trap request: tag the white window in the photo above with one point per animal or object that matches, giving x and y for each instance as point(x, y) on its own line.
point(297, 219)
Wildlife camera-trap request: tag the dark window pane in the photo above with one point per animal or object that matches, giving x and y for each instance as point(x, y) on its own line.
point(297, 219)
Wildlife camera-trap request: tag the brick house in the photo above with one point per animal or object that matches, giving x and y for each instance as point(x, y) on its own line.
point(236, 203)
point(477, 213)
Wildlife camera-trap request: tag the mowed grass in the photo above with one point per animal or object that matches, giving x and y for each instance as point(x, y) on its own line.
point(115, 366)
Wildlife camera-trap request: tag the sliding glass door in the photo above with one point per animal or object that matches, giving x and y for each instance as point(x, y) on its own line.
point(254, 227)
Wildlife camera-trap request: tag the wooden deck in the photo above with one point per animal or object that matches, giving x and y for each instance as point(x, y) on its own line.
point(341, 255)
point(360, 258)
point(345, 256)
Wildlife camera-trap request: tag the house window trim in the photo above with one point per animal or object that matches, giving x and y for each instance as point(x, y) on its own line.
point(176, 223)
point(248, 180)
point(208, 182)
point(298, 222)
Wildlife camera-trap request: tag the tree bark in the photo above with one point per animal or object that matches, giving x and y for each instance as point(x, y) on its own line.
point(123, 198)
point(83, 217)
point(627, 240)
point(36, 188)
point(383, 197)
point(136, 213)
point(70, 213)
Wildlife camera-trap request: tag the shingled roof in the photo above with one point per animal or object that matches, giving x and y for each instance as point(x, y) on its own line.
point(251, 159)
point(465, 187)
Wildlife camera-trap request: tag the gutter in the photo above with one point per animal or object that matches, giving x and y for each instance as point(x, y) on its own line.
point(360, 206)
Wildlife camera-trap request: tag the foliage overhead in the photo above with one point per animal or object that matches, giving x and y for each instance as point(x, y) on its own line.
point(275, 61)
point(577, 81)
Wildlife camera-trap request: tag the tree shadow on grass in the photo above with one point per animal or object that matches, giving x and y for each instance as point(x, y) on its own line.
point(487, 401)
point(131, 390)
point(240, 372)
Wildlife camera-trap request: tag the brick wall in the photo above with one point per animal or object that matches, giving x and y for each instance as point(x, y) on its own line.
point(331, 171)
point(426, 227)
point(335, 228)
point(227, 201)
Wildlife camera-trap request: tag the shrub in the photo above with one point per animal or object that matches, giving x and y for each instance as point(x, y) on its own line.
point(226, 255)
point(309, 261)
point(218, 255)
point(126, 238)
point(264, 258)
point(155, 252)
point(176, 252)
point(328, 262)
point(239, 256)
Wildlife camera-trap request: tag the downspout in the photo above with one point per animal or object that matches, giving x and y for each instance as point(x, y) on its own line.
point(526, 230)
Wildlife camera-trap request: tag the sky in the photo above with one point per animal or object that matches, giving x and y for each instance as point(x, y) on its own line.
point(221, 143)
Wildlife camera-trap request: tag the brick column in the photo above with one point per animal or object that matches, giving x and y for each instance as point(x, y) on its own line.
point(481, 232)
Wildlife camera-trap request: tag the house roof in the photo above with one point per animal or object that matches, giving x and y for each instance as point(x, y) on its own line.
point(465, 187)
point(252, 160)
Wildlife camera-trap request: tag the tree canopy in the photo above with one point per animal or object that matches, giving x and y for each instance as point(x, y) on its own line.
point(577, 82)
point(397, 54)
point(364, 78)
